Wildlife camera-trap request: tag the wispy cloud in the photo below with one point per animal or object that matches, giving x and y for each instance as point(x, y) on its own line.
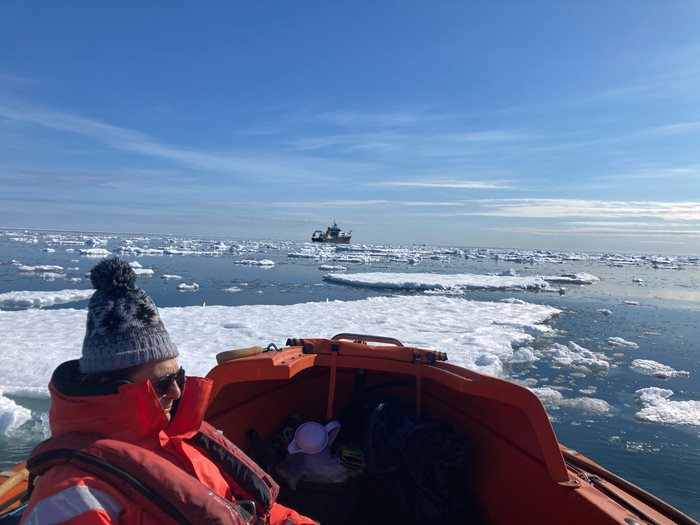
point(616, 232)
point(562, 208)
point(271, 165)
point(451, 184)
point(690, 173)
point(379, 118)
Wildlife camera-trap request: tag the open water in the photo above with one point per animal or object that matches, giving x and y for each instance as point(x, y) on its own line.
point(651, 301)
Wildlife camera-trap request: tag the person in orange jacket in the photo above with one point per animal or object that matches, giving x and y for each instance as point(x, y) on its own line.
point(129, 444)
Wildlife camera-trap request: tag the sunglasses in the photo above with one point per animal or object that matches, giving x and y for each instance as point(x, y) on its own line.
point(163, 385)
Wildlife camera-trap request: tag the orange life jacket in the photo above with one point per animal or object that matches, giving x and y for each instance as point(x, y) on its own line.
point(160, 487)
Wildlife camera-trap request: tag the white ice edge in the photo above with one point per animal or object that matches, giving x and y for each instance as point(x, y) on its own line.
point(478, 335)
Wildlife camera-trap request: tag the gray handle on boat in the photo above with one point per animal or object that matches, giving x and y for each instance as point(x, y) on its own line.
point(368, 338)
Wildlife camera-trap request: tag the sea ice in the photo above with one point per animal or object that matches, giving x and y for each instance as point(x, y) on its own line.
point(31, 299)
point(467, 330)
point(184, 287)
point(45, 268)
point(554, 399)
point(652, 368)
point(253, 262)
point(657, 408)
point(431, 281)
point(619, 342)
point(12, 416)
point(95, 252)
point(576, 357)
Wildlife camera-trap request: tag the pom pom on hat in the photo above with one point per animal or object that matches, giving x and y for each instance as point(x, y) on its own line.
point(123, 326)
point(113, 274)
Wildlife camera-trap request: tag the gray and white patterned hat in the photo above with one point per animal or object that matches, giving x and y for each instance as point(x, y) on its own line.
point(123, 326)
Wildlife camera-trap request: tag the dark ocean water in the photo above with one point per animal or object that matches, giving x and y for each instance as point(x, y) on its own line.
point(662, 458)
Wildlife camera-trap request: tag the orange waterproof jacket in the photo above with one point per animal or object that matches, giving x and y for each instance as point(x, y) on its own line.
point(114, 458)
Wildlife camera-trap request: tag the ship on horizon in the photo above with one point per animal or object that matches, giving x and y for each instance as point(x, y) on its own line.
point(333, 234)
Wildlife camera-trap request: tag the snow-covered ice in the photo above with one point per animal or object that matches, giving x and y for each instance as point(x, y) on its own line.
point(254, 262)
point(554, 399)
point(434, 281)
point(478, 335)
point(577, 357)
point(656, 407)
point(33, 299)
point(653, 368)
point(619, 342)
point(12, 415)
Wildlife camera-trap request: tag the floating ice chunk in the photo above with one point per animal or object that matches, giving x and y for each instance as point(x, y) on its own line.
point(507, 273)
point(652, 368)
point(31, 299)
point(169, 277)
point(619, 342)
point(572, 278)
point(523, 356)
point(184, 287)
point(637, 280)
point(657, 408)
point(140, 270)
point(12, 415)
point(232, 289)
point(45, 268)
point(49, 250)
point(631, 303)
point(305, 255)
point(605, 312)
point(332, 268)
point(430, 281)
point(576, 357)
point(255, 262)
point(554, 399)
point(95, 252)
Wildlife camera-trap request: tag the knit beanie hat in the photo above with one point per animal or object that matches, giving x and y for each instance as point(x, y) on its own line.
point(123, 325)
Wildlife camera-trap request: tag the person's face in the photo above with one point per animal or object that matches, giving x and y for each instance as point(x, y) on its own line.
point(154, 372)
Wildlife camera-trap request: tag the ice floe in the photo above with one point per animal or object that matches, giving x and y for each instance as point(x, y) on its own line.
point(433, 281)
point(656, 407)
point(42, 268)
point(619, 342)
point(184, 287)
point(33, 299)
point(553, 399)
point(652, 368)
point(255, 262)
point(12, 415)
point(479, 335)
point(95, 252)
point(577, 357)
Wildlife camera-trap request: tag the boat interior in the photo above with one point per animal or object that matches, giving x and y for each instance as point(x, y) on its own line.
point(421, 440)
point(508, 466)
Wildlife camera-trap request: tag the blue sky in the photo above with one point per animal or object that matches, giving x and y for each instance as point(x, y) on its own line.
point(539, 124)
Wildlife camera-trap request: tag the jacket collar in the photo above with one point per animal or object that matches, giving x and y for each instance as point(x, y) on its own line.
point(129, 412)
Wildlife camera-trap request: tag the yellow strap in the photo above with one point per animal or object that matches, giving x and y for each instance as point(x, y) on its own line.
point(19, 477)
